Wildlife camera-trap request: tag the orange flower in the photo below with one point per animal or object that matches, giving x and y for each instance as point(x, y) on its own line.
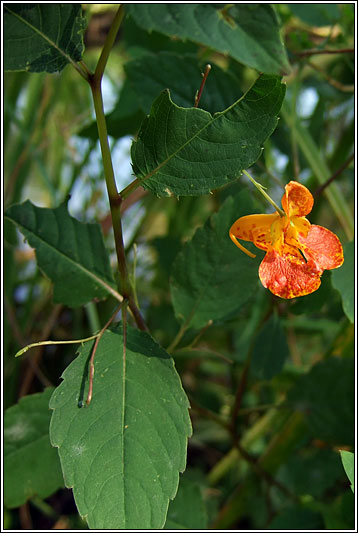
point(297, 252)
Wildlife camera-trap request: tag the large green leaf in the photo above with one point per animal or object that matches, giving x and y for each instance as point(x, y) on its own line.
point(343, 280)
point(270, 349)
point(42, 37)
point(328, 405)
point(31, 465)
point(72, 254)
point(122, 455)
point(211, 278)
point(189, 151)
point(248, 33)
point(187, 510)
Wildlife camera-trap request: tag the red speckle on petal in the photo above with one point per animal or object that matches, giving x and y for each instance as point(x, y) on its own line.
point(287, 276)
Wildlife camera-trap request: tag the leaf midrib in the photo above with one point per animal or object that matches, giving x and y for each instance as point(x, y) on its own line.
point(41, 34)
point(87, 272)
point(209, 123)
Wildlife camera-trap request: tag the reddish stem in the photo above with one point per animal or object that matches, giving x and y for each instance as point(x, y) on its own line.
point(204, 75)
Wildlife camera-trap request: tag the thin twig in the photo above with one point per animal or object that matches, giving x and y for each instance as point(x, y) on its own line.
point(320, 189)
point(238, 398)
point(336, 84)
point(263, 473)
point(94, 350)
point(34, 361)
point(315, 51)
point(205, 74)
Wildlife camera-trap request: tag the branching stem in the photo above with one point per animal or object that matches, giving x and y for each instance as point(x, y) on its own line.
point(115, 199)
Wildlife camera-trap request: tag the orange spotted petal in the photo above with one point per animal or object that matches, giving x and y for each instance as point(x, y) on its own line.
point(322, 248)
point(254, 228)
point(297, 200)
point(288, 276)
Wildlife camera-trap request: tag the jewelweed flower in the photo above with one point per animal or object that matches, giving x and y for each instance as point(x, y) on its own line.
point(297, 252)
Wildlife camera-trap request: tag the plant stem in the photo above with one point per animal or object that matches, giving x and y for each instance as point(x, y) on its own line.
point(334, 176)
point(102, 62)
point(91, 362)
point(264, 193)
point(199, 93)
point(115, 199)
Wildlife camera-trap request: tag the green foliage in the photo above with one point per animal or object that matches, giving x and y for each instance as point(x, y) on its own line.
point(31, 465)
point(326, 404)
point(343, 280)
point(207, 151)
point(248, 33)
point(202, 275)
point(42, 37)
point(270, 349)
point(187, 510)
point(270, 381)
point(348, 464)
point(70, 253)
point(122, 456)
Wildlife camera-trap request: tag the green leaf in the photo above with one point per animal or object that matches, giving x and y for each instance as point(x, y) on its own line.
point(42, 37)
point(343, 280)
point(311, 472)
point(348, 465)
point(72, 254)
point(187, 510)
point(122, 455)
point(316, 14)
point(299, 517)
point(31, 465)
point(248, 33)
point(211, 279)
point(270, 349)
point(152, 73)
point(189, 151)
point(327, 405)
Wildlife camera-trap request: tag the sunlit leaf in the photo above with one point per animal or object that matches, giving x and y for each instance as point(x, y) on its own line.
point(31, 465)
point(122, 455)
point(42, 37)
point(348, 463)
point(188, 151)
point(72, 254)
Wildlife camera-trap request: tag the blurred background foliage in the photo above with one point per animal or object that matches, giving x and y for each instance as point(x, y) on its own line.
point(271, 388)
